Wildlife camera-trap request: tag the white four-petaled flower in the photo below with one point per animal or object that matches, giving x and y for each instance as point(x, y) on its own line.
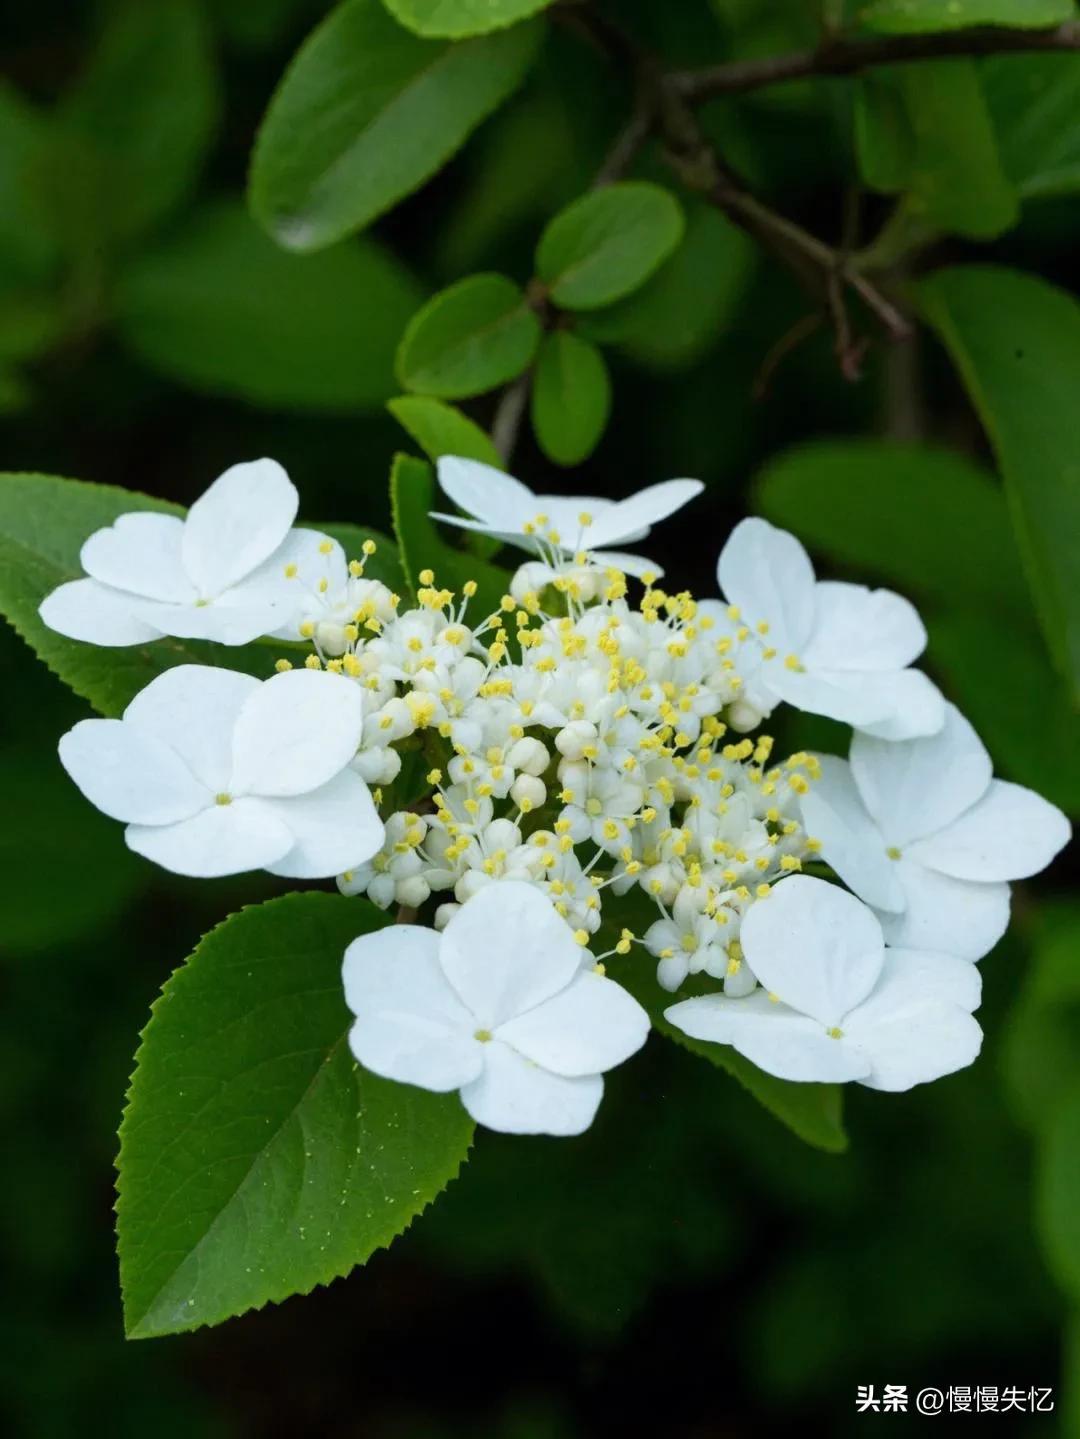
point(837, 1005)
point(921, 831)
point(824, 646)
point(498, 1006)
point(216, 772)
point(505, 508)
point(218, 574)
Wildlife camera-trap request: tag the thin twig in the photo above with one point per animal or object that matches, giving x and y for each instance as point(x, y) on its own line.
point(786, 345)
point(838, 55)
point(509, 414)
point(627, 145)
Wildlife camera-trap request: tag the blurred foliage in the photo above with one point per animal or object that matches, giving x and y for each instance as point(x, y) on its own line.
point(690, 1259)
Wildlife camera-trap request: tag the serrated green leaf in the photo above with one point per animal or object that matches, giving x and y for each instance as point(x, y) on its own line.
point(440, 429)
point(571, 398)
point(457, 19)
point(257, 1160)
point(412, 497)
point(901, 17)
point(44, 521)
point(366, 113)
point(605, 244)
point(928, 520)
point(220, 307)
point(470, 337)
point(1016, 342)
point(925, 130)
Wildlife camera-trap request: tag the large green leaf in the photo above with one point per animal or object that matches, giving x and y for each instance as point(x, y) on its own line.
point(571, 398)
point(899, 17)
point(148, 106)
point(440, 429)
point(456, 19)
point(221, 307)
point(44, 521)
point(1035, 104)
point(412, 497)
point(928, 520)
point(605, 244)
point(257, 1160)
point(925, 131)
point(1016, 341)
point(366, 113)
point(469, 338)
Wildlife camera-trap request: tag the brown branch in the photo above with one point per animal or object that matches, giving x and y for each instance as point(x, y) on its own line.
point(839, 55)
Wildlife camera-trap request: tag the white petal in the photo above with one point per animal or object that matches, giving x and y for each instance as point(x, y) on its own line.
point(297, 731)
point(896, 705)
point(770, 1035)
point(507, 950)
point(410, 1025)
point(857, 628)
point(590, 1026)
point(140, 553)
point(237, 524)
point(816, 946)
point(951, 915)
point(487, 493)
point(221, 839)
point(768, 574)
point(910, 1039)
point(223, 620)
point(192, 709)
point(912, 705)
point(130, 775)
point(518, 1097)
point(1011, 833)
point(85, 610)
point(915, 787)
point(632, 518)
point(922, 974)
point(636, 565)
point(334, 828)
point(834, 813)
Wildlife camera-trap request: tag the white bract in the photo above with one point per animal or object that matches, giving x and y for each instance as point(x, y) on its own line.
point(921, 831)
point(555, 526)
point(215, 772)
point(823, 646)
point(217, 574)
point(498, 1006)
point(836, 1005)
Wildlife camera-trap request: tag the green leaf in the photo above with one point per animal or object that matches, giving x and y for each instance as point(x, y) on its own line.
point(44, 521)
point(440, 429)
point(925, 130)
point(220, 307)
point(1016, 342)
point(149, 104)
point(900, 17)
point(571, 398)
point(684, 309)
point(469, 338)
point(366, 113)
point(30, 239)
point(927, 520)
point(456, 19)
point(1041, 1051)
point(1057, 1191)
point(412, 497)
point(605, 244)
point(257, 1160)
point(1035, 104)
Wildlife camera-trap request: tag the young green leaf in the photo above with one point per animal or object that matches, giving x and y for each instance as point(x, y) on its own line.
point(607, 243)
point(366, 113)
point(257, 1160)
point(1016, 342)
point(456, 19)
point(925, 130)
point(412, 497)
point(220, 307)
point(440, 429)
point(898, 17)
point(571, 398)
point(468, 338)
point(44, 521)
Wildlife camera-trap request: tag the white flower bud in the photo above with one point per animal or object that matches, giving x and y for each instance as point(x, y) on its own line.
point(530, 578)
point(381, 890)
point(412, 891)
point(529, 756)
point(331, 638)
point(528, 792)
point(445, 913)
point(470, 883)
point(573, 739)
point(743, 716)
point(377, 765)
point(393, 722)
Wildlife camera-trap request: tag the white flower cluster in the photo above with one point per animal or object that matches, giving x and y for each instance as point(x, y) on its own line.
point(591, 789)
